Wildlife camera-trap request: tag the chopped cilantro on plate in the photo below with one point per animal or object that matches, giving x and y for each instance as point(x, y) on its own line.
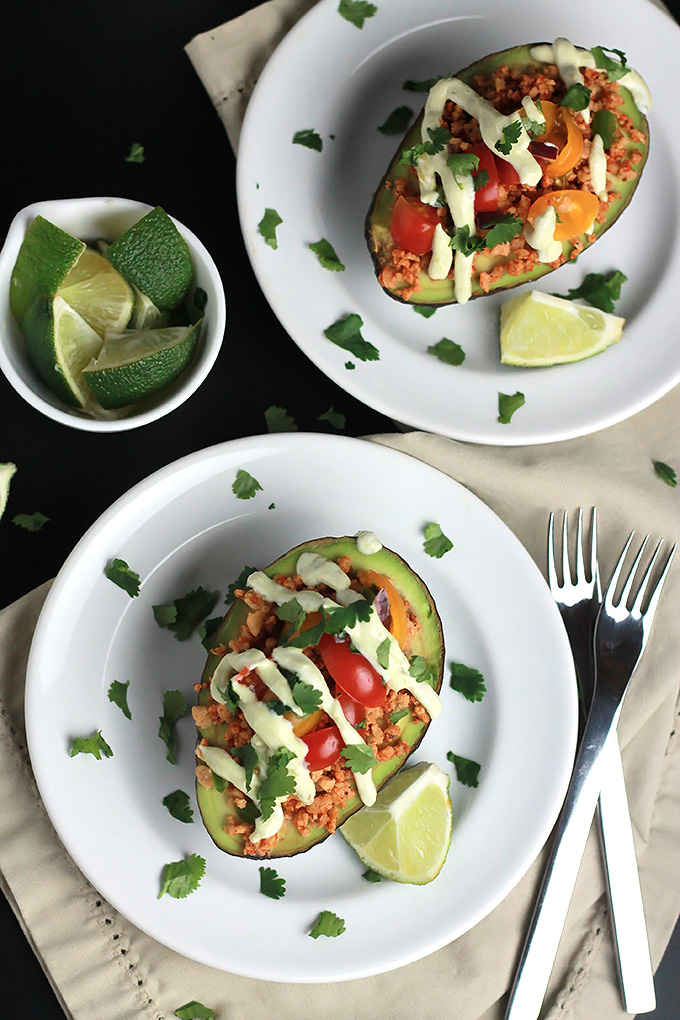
point(120, 573)
point(174, 707)
point(208, 630)
point(599, 289)
point(436, 543)
point(382, 653)
point(328, 923)
point(245, 486)
point(421, 86)
point(271, 884)
point(118, 693)
point(356, 11)
point(605, 124)
point(327, 255)
point(277, 783)
point(400, 714)
point(397, 122)
point(666, 473)
point(427, 311)
point(309, 138)
point(95, 745)
point(179, 806)
point(419, 670)
point(467, 771)
point(371, 876)
point(467, 681)
point(184, 614)
point(577, 97)
point(508, 403)
point(615, 68)
point(439, 137)
point(278, 420)
point(239, 584)
point(247, 755)
point(346, 333)
point(267, 227)
point(179, 878)
point(447, 351)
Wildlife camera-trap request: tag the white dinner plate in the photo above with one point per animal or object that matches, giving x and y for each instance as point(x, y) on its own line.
point(342, 82)
point(184, 527)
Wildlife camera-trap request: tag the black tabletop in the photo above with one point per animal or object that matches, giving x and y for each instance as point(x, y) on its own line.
point(81, 82)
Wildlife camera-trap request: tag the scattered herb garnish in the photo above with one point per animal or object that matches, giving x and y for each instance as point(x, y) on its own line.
point(267, 227)
point(229, 696)
point(95, 745)
point(447, 351)
point(219, 783)
point(395, 717)
point(397, 122)
point(247, 755)
point(466, 245)
point(350, 366)
point(136, 153)
point(307, 698)
point(419, 670)
point(277, 783)
point(421, 86)
point(605, 123)
point(118, 693)
point(502, 228)
point(207, 631)
point(599, 289)
point(184, 614)
point(272, 506)
point(439, 137)
point(180, 878)
point(278, 420)
point(194, 1011)
point(309, 138)
point(291, 612)
point(334, 418)
point(467, 771)
point(467, 681)
point(615, 68)
point(346, 333)
point(356, 11)
point(174, 707)
point(462, 164)
point(328, 924)
point(577, 97)
point(327, 256)
point(30, 522)
point(511, 135)
point(665, 473)
point(436, 543)
point(179, 806)
point(345, 617)
point(480, 180)
point(308, 637)
point(238, 584)
point(371, 876)
point(359, 757)
point(120, 573)
point(271, 884)
point(382, 653)
point(508, 403)
point(245, 486)
point(427, 311)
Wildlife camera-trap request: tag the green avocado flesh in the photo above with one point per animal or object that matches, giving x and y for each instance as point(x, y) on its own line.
point(441, 292)
point(215, 806)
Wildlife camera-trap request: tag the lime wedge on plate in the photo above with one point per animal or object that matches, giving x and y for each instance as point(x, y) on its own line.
point(96, 291)
point(45, 258)
point(538, 330)
point(135, 364)
point(154, 257)
point(60, 344)
point(406, 834)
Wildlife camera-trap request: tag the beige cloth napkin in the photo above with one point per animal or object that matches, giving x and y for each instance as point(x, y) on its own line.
point(103, 968)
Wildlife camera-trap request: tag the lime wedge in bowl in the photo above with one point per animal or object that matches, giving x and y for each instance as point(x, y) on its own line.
point(45, 258)
point(98, 293)
point(60, 344)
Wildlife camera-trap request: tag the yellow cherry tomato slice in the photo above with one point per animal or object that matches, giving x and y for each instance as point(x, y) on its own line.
point(576, 210)
point(304, 725)
point(561, 130)
point(399, 623)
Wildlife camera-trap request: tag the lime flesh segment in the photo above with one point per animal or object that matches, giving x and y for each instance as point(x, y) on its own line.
point(45, 258)
point(98, 293)
point(154, 257)
point(7, 472)
point(134, 365)
point(406, 834)
point(60, 344)
point(145, 315)
point(539, 329)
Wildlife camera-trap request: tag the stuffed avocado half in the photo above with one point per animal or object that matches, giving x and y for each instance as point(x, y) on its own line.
point(322, 680)
point(515, 165)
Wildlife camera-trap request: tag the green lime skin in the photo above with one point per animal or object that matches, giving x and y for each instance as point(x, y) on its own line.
point(154, 257)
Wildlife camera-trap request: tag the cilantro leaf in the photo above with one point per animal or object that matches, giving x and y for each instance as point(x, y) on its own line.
point(327, 256)
point(382, 653)
point(274, 705)
point(371, 876)
point(436, 543)
point(120, 573)
point(308, 637)
point(395, 717)
point(599, 289)
point(467, 771)
point(462, 164)
point(307, 698)
point(179, 806)
point(356, 11)
point(118, 693)
point(615, 69)
point(439, 137)
point(328, 923)
point(340, 619)
point(359, 757)
point(419, 670)
point(467, 681)
point(427, 311)
point(466, 245)
point(335, 418)
point(136, 153)
point(229, 696)
point(247, 755)
point(30, 522)
point(219, 783)
point(605, 124)
point(346, 333)
point(421, 86)
point(271, 884)
point(309, 138)
point(277, 783)
point(267, 227)
point(447, 351)
point(577, 97)
point(292, 612)
point(397, 122)
point(250, 812)
point(179, 878)
point(350, 366)
point(511, 135)
point(174, 707)
point(245, 486)
point(480, 180)
point(95, 745)
point(194, 1011)
point(184, 614)
point(508, 403)
point(208, 630)
point(239, 584)
point(665, 473)
point(278, 420)
point(502, 228)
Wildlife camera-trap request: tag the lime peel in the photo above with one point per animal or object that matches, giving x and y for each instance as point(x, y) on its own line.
point(7, 472)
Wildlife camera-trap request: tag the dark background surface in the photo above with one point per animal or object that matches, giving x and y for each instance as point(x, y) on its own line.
point(81, 82)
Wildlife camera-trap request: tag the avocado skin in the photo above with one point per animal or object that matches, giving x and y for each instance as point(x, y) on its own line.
point(214, 806)
point(437, 293)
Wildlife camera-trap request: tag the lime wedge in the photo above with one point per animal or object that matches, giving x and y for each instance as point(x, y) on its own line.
point(154, 257)
point(133, 365)
point(538, 329)
point(7, 472)
point(45, 258)
point(406, 834)
point(96, 291)
point(145, 315)
point(60, 343)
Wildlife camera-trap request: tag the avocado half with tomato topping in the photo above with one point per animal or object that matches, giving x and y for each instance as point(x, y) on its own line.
point(401, 178)
point(424, 639)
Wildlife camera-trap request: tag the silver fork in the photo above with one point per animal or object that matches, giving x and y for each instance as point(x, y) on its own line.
point(578, 603)
point(620, 637)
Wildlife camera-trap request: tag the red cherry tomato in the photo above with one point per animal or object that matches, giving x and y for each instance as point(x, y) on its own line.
point(507, 175)
point(354, 712)
point(352, 672)
point(486, 199)
point(413, 225)
point(323, 747)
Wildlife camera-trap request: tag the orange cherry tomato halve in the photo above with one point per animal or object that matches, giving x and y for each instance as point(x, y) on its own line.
point(323, 747)
point(561, 130)
point(576, 210)
point(413, 225)
point(352, 672)
point(399, 617)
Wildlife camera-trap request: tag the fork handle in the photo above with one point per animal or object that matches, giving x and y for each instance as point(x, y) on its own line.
point(623, 885)
point(564, 861)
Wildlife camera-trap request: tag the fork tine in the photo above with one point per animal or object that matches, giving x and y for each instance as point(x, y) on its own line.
point(608, 602)
point(625, 594)
point(566, 569)
point(654, 597)
point(580, 566)
point(594, 568)
point(552, 574)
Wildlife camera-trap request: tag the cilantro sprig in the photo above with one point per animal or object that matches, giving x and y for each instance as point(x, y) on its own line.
point(121, 574)
point(135, 153)
point(278, 420)
point(239, 584)
point(118, 693)
point(605, 123)
point(359, 757)
point(397, 122)
point(179, 806)
point(436, 543)
point(421, 86)
point(307, 698)
point(247, 755)
point(468, 681)
point(346, 333)
point(183, 615)
point(30, 522)
point(447, 351)
point(271, 884)
point(267, 227)
point(309, 138)
point(439, 137)
point(291, 612)
point(356, 11)
point(615, 69)
point(334, 418)
point(179, 878)
point(194, 1011)
point(511, 135)
point(244, 485)
point(577, 97)
point(599, 289)
point(327, 255)
point(277, 783)
point(329, 924)
point(666, 473)
point(174, 707)
point(420, 670)
point(95, 745)
point(208, 630)
point(508, 403)
point(467, 770)
point(462, 164)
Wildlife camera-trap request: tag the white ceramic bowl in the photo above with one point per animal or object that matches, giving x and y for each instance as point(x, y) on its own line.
point(89, 219)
